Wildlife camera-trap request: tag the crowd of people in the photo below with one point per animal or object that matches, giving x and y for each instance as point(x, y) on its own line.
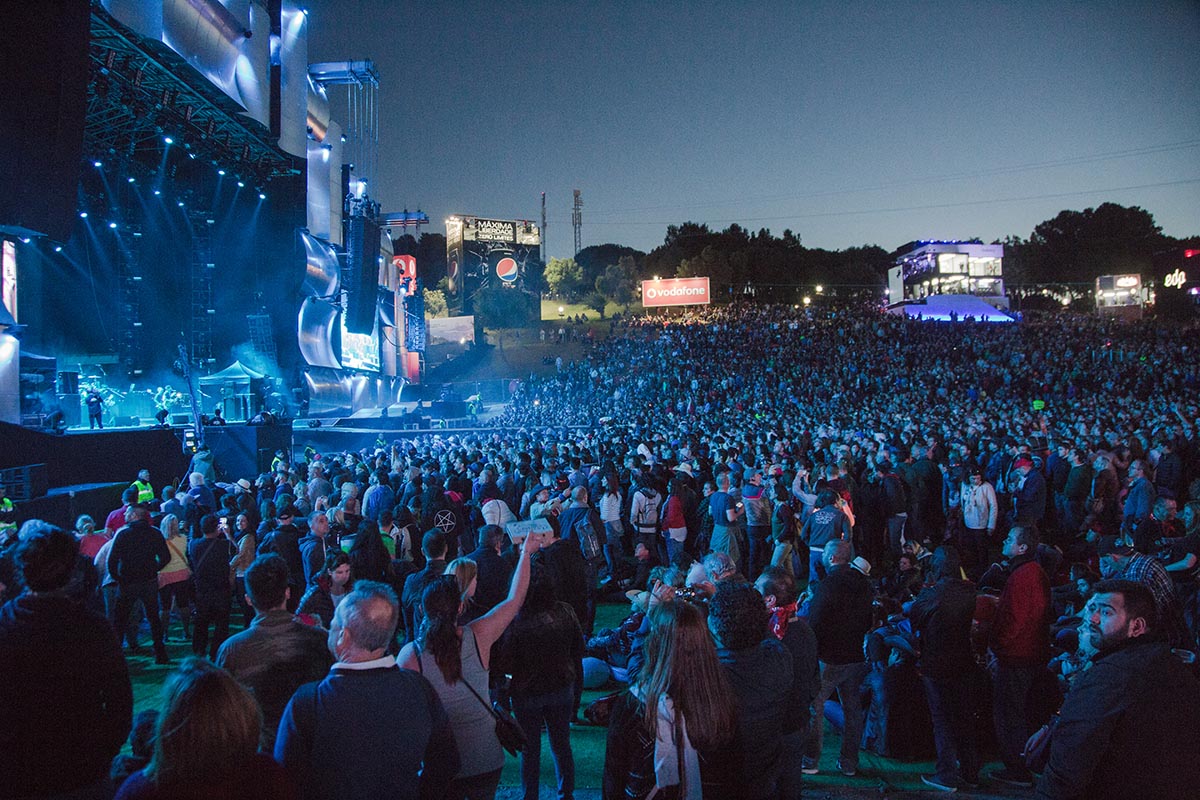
point(928, 537)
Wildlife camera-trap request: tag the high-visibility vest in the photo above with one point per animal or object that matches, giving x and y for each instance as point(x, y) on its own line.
point(145, 492)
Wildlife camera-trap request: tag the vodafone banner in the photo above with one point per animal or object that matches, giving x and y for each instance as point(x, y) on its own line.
point(675, 292)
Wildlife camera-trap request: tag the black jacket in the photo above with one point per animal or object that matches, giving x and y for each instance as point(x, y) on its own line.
point(840, 615)
point(414, 588)
point(941, 615)
point(66, 704)
point(138, 553)
point(563, 561)
point(210, 567)
point(801, 643)
point(285, 540)
point(1130, 727)
point(761, 678)
point(492, 580)
point(541, 650)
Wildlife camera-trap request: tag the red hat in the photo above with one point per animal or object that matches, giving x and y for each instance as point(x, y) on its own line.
point(1023, 461)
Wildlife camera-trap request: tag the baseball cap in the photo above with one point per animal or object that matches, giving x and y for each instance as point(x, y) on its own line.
point(1023, 461)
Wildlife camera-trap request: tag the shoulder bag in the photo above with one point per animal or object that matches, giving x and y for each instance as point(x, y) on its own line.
point(511, 737)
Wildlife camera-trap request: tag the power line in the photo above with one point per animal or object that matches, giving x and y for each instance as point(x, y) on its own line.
point(894, 210)
point(953, 176)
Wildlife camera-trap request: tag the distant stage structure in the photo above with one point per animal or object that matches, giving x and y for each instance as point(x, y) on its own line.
point(926, 268)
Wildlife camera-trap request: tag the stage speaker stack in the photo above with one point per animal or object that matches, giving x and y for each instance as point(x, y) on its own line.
point(361, 279)
point(71, 408)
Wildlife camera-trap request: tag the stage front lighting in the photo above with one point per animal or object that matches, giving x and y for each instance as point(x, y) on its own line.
point(83, 215)
point(26, 239)
point(157, 192)
point(131, 179)
point(262, 196)
point(220, 172)
point(180, 204)
point(241, 185)
point(168, 140)
point(97, 164)
point(112, 225)
point(58, 248)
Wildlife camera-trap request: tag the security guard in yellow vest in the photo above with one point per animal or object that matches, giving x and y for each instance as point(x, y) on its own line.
point(144, 489)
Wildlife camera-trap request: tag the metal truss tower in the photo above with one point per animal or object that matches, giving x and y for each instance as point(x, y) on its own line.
point(202, 268)
point(130, 345)
point(577, 220)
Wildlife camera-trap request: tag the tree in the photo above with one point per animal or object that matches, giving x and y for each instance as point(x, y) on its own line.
point(1079, 246)
point(711, 263)
point(593, 260)
point(435, 303)
point(501, 307)
point(564, 277)
point(618, 282)
point(596, 302)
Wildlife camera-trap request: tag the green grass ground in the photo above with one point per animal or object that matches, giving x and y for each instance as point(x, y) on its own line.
point(877, 775)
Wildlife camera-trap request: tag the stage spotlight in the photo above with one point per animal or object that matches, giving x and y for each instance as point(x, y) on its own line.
point(262, 196)
point(180, 204)
point(97, 164)
point(241, 185)
point(192, 155)
point(83, 215)
point(26, 240)
point(131, 179)
point(157, 192)
point(220, 172)
point(112, 225)
point(58, 248)
point(168, 140)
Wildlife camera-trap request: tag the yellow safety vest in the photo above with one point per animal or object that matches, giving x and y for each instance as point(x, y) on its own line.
point(145, 492)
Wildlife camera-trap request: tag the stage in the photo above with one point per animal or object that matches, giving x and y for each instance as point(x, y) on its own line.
point(58, 476)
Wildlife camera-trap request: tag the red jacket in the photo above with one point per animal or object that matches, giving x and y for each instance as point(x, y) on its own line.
point(1020, 635)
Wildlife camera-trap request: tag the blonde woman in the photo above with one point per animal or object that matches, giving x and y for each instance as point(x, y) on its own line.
point(89, 540)
point(175, 579)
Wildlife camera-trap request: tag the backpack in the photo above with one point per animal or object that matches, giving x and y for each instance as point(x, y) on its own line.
point(589, 540)
point(649, 516)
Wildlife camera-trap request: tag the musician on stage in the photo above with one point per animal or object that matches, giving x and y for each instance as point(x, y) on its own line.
point(95, 407)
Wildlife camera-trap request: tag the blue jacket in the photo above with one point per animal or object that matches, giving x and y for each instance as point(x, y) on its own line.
point(367, 733)
point(1029, 502)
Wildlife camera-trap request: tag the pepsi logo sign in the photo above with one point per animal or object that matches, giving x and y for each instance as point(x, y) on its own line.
point(506, 269)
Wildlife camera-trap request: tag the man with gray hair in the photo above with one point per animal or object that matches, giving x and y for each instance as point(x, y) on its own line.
point(369, 729)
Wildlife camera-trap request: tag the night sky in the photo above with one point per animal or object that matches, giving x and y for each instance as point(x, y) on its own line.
point(849, 123)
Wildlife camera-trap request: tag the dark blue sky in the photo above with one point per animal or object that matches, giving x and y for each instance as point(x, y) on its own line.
point(850, 123)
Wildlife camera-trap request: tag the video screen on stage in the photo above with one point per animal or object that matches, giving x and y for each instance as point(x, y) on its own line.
point(488, 253)
point(360, 350)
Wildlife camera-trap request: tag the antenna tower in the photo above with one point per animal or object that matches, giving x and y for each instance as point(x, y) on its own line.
point(577, 220)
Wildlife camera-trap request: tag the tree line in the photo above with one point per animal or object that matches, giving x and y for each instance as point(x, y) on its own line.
point(1074, 247)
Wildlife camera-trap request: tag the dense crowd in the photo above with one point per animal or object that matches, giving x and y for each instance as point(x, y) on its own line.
point(929, 537)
